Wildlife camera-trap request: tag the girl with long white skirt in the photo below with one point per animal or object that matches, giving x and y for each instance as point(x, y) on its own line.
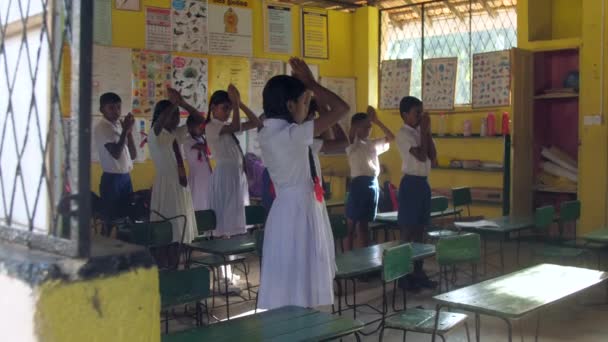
point(197, 154)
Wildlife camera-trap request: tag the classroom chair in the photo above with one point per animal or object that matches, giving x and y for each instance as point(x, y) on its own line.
point(569, 214)
point(439, 204)
point(457, 250)
point(255, 215)
point(339, 230)
point(461, 197)
point(183, 287)
point(205, 224)
point(543, 219)
point(396, 264)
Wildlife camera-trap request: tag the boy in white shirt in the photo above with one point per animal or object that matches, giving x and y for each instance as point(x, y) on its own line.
point(417, 151)
point(363, 152)
point(116, 149)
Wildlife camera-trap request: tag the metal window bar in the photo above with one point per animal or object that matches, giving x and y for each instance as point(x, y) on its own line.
point(447, 28)
point(45, 51)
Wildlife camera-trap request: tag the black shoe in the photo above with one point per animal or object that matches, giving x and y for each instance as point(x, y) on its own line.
point(409, 284)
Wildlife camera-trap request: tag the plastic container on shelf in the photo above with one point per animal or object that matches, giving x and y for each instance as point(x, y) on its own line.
point(484, 127)
point(467, 128)
point(442, 125)
point(491, 124)
point(505, 124)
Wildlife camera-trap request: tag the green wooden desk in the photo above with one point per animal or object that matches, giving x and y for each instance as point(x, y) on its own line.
point(224, 248)
point(515, 295)
point(388, 220)
point(287, 324)
point(598, 236)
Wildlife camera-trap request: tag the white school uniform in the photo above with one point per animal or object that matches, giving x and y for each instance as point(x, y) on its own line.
point(169, 198)
point(229, 192)
point(363, 156)
point(298, 266)
point(406, 138)
point(107, 132)
point(199, 175)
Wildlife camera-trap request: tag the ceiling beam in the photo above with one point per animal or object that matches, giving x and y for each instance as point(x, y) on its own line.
point(454, 10)
point(490, 10)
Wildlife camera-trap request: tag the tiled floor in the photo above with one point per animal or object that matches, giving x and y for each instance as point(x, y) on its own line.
point(574, 319)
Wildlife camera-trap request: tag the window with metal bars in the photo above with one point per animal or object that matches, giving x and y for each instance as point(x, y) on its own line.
point(421, 30)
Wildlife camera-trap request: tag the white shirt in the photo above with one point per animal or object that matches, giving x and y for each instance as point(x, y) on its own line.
point(223, 147)
point(406, 138)
point(363, 156)
point(106, 132)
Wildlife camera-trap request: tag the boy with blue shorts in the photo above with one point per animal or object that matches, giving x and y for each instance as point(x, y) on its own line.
point(417, 151)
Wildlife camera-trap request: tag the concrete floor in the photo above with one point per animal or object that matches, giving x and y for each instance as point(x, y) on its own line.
point(580, 318)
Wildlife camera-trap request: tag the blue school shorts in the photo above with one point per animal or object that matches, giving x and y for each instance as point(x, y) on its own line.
point(115, 190)
point(362, 202)
point(414, 201)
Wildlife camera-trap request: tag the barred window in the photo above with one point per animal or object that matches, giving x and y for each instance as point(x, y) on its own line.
point(419, 30)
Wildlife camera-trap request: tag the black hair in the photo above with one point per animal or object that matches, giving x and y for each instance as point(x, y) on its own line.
point(409, 102)
point(195, 120)
point(159, 108)
point(358, 118)
point(218, 97)
point(109, 98)
point(277, 92)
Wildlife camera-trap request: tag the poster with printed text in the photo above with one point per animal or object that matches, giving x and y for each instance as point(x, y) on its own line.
point(395, 77)
point(151, 78)
point(190, 76)
point(277, 28)
point(492, 79)
point(439, 83)
point(225, 71)
point(158, 29)
point(111, 73)
point(347, 90)
point(189, 25)
point(102, 22)
point(315, 33)
point(262, 70)
point(230, 27)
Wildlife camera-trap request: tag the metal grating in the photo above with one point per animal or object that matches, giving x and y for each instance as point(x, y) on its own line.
point(45, 49)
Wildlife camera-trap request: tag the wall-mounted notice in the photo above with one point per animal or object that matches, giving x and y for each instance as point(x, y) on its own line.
point(225, 71)
point(315, 33)
point(111, 73)
point(492, 79)
point(277, 24)
point(102, 22)
point(262, 70)
point(314, 68)
point(395, 79)
point(189, 25)
point(190, 77)
point(151, 78)
point(158, 29)
point(345, 88)
point(439, 83)
point(230, 27)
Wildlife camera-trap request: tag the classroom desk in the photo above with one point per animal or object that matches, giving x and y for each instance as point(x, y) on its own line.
point(225, 248)
point(517, 294)
point(597, 236)
point(388, 220)
point(365, 261)
point(290, 323)
point(506, 226)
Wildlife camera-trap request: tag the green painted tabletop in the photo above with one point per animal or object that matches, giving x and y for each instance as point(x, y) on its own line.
point(391, 216)
point(366, 260)
point(517, 294)
point(600, 235)
point(236, 245)
point(506, 224)
point(289, 323)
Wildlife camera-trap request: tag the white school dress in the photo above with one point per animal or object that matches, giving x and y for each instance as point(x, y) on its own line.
point(199, 175)
point(298, 263)
point(169, 198)
point(229, 192)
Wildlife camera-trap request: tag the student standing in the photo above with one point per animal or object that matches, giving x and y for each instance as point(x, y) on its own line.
point(363, 152)
point(417, 151)
point(298, 266)
point(170, 193)
point(229, 193)
point(114, 141)
point(197, 154)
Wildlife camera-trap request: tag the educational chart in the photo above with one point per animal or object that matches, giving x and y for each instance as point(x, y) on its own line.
point(189, 25)
point(262, 70)
point(225, 71)
point(111, 73)
point(158, 29)
point(151, 78)
point(102, 22)
point(395, 79)
point(347, 90)
point(277, 33)
point(492, 79)
point(190, 77)
point(230, 27)
point(439, 83)
point(315, 33)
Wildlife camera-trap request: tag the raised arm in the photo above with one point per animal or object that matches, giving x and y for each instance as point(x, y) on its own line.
point(175, 98)
point(373, 116)
point(115, 149)
point(235, 99)
point(254, 121)
point(189, 108)
point(422, 152)
point(331, 144)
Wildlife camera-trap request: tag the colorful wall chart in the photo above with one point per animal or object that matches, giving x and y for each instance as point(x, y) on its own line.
point(189, 25)
point(439, 83)
point(395, 77)
point(225, 71)
point(111, 73)
point(492, 79)
point(158, 29)
point(262, 70)
point(190, 77)
point(151, 77)
point(230, 27)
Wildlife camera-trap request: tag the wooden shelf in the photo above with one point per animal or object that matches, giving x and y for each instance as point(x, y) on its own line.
point(556, 96)
point(541, 188)
point(471, 170)
point(460, 136)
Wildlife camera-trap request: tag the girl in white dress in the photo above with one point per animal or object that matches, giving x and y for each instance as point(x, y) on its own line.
point(229, 193)
point(170, 192)
point(298, 264)
point(197, 154)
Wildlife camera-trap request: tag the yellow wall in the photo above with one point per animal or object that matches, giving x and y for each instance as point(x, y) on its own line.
point(123, 307)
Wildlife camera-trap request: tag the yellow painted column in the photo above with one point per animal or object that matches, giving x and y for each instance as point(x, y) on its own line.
point(365, 52)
